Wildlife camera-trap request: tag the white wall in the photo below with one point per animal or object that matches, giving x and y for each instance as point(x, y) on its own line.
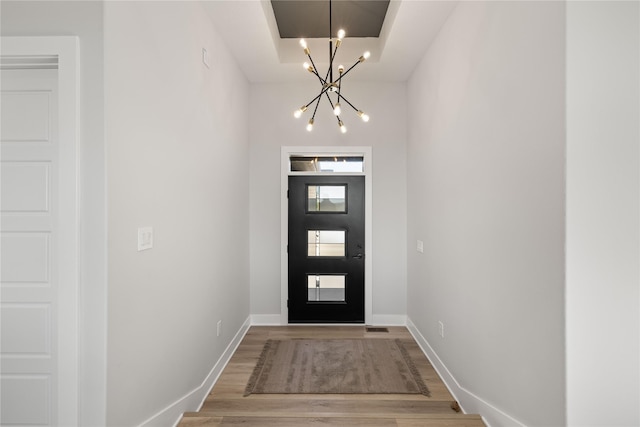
point(603, 326)
point(82, 19)
point(486, 195)
point(178, 148)
point(273, 126)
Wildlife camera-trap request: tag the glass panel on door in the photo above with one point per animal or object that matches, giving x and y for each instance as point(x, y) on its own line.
point(322, 243)
point(326, 198)
point(325, 288)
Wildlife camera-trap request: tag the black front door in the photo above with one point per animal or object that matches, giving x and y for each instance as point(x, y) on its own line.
point(326, 249)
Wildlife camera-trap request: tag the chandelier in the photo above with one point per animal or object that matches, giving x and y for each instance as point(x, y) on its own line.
point(327, 84)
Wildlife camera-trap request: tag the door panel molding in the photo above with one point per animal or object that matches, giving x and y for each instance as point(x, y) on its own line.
point(44, 51)
point(286, 153)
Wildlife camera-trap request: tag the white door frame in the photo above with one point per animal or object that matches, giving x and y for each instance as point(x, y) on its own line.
point(65, 48)
point(286, 153)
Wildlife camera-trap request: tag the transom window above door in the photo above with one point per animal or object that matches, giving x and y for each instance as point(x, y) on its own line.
point(327, 164)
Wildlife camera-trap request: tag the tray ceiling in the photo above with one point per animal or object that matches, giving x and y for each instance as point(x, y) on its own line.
point(310, 19)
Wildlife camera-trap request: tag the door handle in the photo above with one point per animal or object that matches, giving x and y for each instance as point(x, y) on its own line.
point(359, 256)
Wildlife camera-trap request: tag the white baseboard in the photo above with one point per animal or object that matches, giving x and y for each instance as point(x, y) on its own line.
point(469, 402)
point(266, 320)
point(377, 320)
point(389, 320)
point(193, 401)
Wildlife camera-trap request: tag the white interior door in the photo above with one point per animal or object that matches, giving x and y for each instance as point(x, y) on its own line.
point(30, 247)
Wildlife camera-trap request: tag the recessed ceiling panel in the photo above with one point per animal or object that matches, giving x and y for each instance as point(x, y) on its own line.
point(310, 18)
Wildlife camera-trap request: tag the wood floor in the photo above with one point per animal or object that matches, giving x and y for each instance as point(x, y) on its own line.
point(226, 406)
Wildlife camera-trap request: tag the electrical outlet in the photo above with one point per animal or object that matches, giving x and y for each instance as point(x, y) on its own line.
point(219, 328)
point(441, 328)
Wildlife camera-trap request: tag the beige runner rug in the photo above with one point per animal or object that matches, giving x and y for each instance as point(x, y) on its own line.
point(358, 366)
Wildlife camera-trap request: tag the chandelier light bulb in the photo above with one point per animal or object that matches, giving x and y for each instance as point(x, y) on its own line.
point(363, 116)
point(341, 68)
point(366, 55)
point(310, 125)
point(299, 112)
point(341, 34)
point(343, 128)
point(303, 43)
point(337, 110)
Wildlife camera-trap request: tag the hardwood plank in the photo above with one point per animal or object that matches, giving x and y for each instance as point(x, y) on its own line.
point(307, 422)
point(452, 418)
point(324, 407)
point(200, 421)
point(467, 421)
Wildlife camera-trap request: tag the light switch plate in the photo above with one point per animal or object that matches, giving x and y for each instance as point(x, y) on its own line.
point(145, 238)
point(420, 246)
point(205, 58)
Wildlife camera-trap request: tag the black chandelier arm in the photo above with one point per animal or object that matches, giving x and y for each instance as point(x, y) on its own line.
point(313, 100)
point(329, 98)
point(332, 107)
point(350, 104)
point(320, 79)
point(331, 58)
point(322, 91)
point(315, 70)
point(339, 82)
point(346, 72)
point(317, 103)
point(330, 69)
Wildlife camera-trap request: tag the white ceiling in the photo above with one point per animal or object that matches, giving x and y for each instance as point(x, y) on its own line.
point(248, 28)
